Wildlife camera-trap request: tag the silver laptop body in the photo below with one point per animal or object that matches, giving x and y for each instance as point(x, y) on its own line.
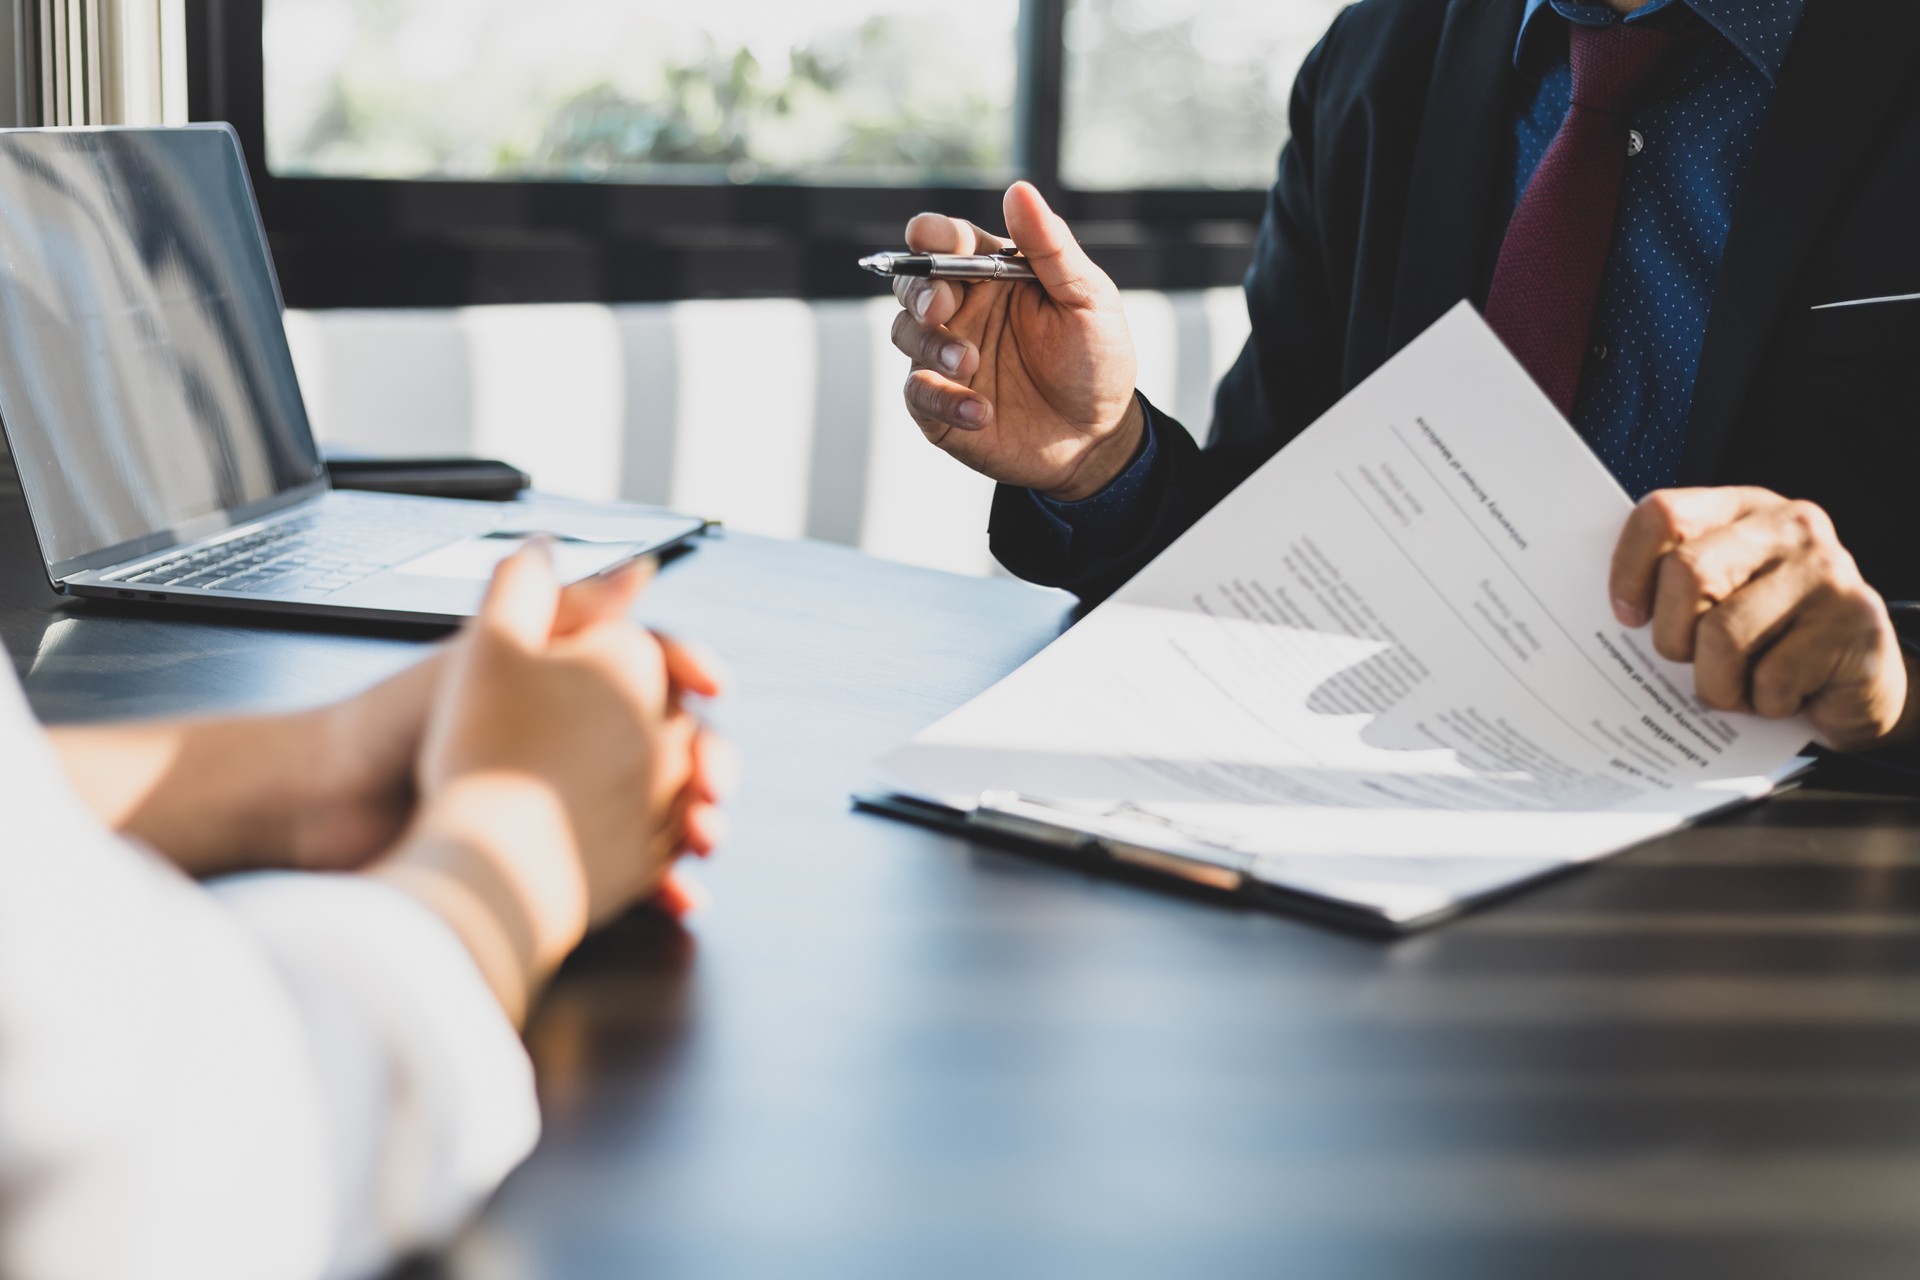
point(149, 398)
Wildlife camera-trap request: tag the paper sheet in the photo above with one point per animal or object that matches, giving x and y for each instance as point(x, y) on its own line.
point(1391, 642)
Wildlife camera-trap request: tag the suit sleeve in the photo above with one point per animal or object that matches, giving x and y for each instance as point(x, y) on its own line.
point(1284, 377)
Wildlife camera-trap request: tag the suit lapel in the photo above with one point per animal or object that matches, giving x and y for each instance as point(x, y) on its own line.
point(1850, 61)
point(1464, 134)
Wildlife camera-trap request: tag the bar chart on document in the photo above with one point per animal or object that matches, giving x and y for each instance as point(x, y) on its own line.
point(1385, 665)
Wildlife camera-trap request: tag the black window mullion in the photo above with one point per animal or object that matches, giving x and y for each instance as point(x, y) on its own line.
point(1040, 93)
point(341, 242)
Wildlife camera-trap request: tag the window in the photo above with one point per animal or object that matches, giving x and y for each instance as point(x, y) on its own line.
point(1181, 93)
point(445, 152)
point(831, 92)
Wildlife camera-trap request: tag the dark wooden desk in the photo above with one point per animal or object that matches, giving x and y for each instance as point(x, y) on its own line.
point(886, 1053)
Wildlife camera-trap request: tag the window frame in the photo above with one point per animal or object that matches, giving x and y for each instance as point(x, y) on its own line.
point(363, 242)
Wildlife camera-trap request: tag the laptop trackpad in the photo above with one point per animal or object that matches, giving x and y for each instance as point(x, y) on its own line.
point(453, 579)
point(474, 559)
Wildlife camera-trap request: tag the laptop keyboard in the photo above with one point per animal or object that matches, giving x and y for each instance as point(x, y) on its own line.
point(321, 552)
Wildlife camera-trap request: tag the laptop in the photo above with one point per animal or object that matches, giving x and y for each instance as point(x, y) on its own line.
point(149, 399)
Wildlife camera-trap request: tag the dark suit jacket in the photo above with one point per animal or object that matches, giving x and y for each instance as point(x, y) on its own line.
point(1389, 208)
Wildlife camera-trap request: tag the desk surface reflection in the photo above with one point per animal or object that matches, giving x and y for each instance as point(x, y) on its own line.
point(886, 1052)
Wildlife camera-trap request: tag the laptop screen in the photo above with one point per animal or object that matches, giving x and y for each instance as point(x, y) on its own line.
point(145, 381)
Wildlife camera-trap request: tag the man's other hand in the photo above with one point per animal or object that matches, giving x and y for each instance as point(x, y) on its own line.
point(1757, 593)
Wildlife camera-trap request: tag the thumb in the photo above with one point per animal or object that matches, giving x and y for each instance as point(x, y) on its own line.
point(603, 597)
point(523, 598)
point(1063, 267)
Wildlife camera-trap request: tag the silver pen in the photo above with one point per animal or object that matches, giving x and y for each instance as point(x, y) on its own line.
point(950, 266)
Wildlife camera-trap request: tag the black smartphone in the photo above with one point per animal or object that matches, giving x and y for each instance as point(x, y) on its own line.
point(480, 478)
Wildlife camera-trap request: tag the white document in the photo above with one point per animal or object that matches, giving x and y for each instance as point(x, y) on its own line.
point(1384, 671)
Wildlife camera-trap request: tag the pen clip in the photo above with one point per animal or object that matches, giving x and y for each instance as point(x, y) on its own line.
point(1011, 814)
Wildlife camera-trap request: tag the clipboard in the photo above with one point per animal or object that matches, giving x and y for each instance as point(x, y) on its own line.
point(1219, 881)
point(1375, 682)
point(1032, 828)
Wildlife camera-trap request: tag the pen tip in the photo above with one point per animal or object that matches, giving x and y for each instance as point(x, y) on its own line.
point(878, 263)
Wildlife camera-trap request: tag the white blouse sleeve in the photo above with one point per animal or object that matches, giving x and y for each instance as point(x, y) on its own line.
point(290, 1076)
point(426, 1089)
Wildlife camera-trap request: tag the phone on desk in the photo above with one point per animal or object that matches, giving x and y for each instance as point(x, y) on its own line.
point(484, 479)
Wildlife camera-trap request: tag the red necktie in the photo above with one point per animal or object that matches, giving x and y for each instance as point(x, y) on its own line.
point(1546, 282)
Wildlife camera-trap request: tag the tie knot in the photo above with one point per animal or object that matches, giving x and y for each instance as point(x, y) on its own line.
point(1612, 63)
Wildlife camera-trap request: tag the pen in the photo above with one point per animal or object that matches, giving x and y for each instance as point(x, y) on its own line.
point(950, 266)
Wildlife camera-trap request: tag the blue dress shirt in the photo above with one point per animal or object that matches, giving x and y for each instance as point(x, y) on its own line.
point(1695, 135)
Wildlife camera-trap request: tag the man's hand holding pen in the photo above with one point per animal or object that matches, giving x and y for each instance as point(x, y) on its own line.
point(1035, 387)
point(1031, 386)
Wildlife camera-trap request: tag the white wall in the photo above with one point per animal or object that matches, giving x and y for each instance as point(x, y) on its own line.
point(778, 417)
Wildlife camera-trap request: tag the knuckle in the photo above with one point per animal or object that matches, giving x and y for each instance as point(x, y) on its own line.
point(1814, 526)
point(1836, 569)
point(1773, 694)
point(909, 339)
point(1661, 512)
point(1685, 570)
point(1719, 695)
point(920, 228)
point(1717, 631)
point(1822, 564)
point(1861, 606)
point(644, 641)
point(915, 393)
point(1672, 647)
point(926, 400)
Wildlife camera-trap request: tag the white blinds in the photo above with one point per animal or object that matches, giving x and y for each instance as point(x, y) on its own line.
point(104, 61)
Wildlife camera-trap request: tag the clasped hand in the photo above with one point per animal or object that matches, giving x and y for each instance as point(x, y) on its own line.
point(546, 684)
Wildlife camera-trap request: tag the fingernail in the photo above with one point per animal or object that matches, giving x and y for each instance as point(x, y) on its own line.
point(722, 764)
point(1629, 614)
point(683, 897)
point(922, 299)
point(951, 355)
point(972, 413)
point(704, 828)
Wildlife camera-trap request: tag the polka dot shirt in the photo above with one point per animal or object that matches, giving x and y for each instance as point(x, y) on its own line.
point(1695, 133)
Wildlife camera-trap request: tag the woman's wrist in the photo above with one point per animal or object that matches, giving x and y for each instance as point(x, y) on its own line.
point(213, 796)
point(495, 939)
point(492, 855)
point(280, 792)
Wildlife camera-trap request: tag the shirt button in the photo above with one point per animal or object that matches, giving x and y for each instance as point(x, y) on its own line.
point(1599, 351)
point(1636, 142)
